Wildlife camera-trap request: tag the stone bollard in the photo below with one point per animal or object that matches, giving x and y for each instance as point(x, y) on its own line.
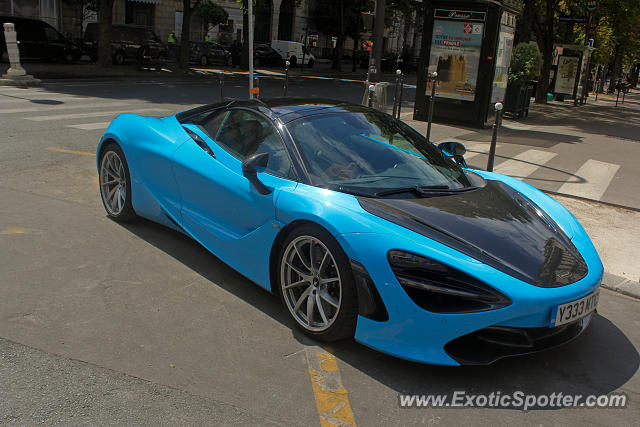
point(16, 75)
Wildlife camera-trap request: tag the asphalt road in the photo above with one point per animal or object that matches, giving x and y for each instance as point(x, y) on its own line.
point(102, 323)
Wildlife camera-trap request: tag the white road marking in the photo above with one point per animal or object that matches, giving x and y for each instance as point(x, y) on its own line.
point(525, 163)
point(92, 114)
point(597, 176)
point(60, 107)
point(476, 149)
point(91, 126)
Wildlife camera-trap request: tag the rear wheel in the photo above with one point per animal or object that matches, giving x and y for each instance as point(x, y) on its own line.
point(203, 60)
point(256, 62)
point(115, 184)
point(293, 61)
point(316, 284)
point(119, 58)
point(310, 63)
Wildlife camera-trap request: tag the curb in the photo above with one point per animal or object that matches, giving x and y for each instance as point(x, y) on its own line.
point(621, 285)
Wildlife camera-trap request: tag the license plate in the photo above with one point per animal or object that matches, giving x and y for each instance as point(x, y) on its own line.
point(574, 310)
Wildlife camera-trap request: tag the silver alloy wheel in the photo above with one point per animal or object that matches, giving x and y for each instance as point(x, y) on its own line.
point(113, 183)
point(310, 283)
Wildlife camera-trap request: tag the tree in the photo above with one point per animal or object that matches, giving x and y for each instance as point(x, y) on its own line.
point(339, 18)
point(545, 14)
point(209, 11)
point(105, 18)
point(83, 10)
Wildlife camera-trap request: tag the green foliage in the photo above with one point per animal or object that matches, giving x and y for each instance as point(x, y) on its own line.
point(525, 63)
point(211, 12)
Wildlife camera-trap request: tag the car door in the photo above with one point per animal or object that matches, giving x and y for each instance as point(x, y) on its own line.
point(54, 43)
point(219, 205)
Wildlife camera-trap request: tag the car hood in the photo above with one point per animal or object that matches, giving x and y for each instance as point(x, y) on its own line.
point(494, 224)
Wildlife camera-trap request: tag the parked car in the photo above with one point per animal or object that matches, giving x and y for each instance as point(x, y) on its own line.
point(361, 226)
point(295, 52)
point(206, 53)
point(265, 55)
point(38, 41)
point(128, 42)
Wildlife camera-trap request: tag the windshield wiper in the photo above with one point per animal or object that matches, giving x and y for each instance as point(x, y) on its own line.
point(424, 190)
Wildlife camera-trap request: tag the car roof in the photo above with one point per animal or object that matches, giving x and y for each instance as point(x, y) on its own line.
point(286, 109)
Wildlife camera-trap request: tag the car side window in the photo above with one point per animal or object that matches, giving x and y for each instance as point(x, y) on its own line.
point(51, 34)
point(244, 133)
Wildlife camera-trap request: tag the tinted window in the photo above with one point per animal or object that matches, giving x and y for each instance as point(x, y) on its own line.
point(51, 34)
point(243, 133)
point(370, 152)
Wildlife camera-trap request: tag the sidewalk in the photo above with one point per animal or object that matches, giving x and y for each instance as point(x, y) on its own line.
point(55, 71)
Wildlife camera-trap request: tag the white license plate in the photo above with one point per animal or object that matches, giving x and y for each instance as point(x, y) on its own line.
point(574, 310)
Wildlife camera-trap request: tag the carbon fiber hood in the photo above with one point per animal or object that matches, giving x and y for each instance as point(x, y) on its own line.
point(495, 225)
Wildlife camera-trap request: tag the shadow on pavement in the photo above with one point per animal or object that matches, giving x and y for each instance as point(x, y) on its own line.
point(585, 366)
point(532, 138)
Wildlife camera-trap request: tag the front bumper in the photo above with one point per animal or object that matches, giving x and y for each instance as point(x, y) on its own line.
point(418, 335)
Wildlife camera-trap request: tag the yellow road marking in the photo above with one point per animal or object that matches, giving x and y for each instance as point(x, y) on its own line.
point(64, 150)
point(16, 230)
point(332, 399)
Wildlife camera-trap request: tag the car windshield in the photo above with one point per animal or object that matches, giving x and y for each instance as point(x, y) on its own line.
point(371, 153)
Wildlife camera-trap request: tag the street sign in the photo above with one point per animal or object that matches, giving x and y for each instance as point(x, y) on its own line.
point(574, 19)
point(590, 42)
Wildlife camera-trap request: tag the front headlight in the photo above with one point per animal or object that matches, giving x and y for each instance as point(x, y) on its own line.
point(439, 288)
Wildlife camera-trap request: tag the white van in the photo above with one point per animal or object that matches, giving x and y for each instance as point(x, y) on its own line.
point(295, 52)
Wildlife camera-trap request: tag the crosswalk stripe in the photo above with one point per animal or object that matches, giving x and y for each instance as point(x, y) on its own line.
point(525, 163)
point(92, 114)
point(60, 107)
point(475, 149)
point(91, 126)
point(596, 177)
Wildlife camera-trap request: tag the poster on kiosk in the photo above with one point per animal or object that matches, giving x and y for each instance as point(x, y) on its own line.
point(456, 43)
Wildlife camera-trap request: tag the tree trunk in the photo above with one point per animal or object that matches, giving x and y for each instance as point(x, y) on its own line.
point(545, 37)
point(183, 46)
point(615, 68)
point(526, 22)
point(244, 57)
point(105, 16)
point(337, 52)
point(378, 34)
point(545, 71)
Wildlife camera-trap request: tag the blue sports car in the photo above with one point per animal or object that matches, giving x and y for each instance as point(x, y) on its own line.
point(362, 227)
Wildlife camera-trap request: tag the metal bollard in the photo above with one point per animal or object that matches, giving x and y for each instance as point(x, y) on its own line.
point(221, 83)
point(494, 138)
point(400, 95)
point(597, 89)
point(618, 95)
point(434, 79)
point(286, 78)
point(395, 94)
point(257, 86)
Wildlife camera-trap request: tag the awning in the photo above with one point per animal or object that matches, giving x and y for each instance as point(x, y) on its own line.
point(147, 1)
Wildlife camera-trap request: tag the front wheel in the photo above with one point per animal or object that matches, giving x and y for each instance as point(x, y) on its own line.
point(203, 60)
point(115, 184)
point(310, 63)
point(119, 58)
point(316, 284)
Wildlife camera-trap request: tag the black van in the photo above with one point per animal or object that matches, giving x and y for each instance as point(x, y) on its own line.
point(127, 42)
point(38, 41)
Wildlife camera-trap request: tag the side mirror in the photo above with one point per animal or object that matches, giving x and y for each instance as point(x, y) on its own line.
point(454, 149)
point(249, 166)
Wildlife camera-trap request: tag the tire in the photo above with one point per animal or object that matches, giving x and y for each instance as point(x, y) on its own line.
point(119, 58)
point(310, 63)
point(4, 57)
point(293, 61)
point(203, 60)
point(333, 305)
point(112, 177)
point(230, 62)
point(256, 62)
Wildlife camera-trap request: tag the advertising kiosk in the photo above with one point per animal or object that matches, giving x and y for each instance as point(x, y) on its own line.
point(468, 43)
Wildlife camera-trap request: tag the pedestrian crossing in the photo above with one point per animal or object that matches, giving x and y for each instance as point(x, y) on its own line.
point(546, 169)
